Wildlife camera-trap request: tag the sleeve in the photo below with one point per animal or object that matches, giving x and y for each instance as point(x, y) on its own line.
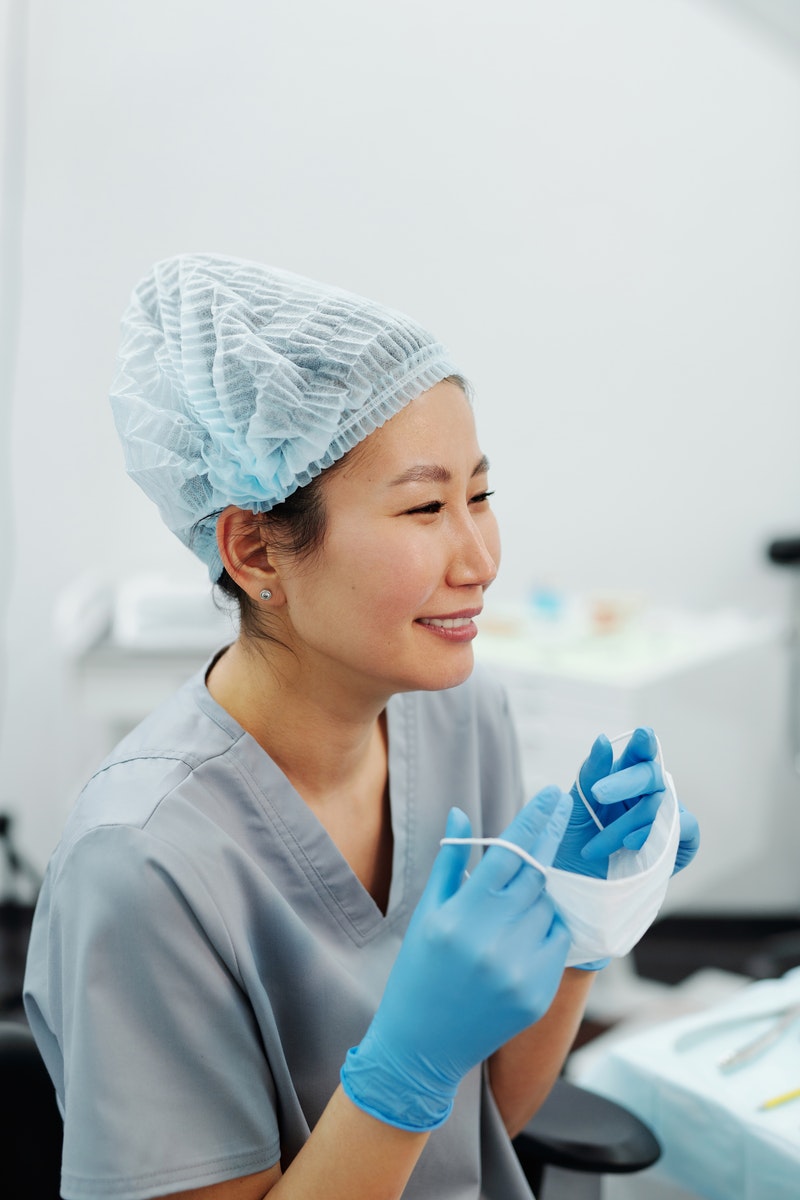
point(166, 1085)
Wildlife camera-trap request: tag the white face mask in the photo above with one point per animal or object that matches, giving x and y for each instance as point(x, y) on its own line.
point(607, 917)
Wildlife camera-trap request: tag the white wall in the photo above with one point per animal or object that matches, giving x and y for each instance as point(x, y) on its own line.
point(596, 206)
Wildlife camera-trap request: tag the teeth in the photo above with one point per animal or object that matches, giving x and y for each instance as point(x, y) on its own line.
point(446, 623)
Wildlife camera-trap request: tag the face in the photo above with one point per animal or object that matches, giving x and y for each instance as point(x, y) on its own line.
point(411, 545)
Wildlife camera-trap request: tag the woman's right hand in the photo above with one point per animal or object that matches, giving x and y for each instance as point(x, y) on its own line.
point(481, 961)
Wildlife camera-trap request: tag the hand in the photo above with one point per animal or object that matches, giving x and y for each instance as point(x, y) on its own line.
point(625, 795)
point(689, 842)
point(481, 960)
point(626, 813)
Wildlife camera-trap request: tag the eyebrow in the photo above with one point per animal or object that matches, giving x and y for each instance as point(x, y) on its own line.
point(432, 473)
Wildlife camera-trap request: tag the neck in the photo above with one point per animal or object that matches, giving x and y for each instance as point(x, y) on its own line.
point(332, 750)
point(323, 739)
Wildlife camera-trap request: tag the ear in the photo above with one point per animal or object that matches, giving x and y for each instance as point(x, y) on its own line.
point(242, 546)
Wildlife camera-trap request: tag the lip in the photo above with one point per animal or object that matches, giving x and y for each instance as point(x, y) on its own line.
point(465, 631)
point(453, 616)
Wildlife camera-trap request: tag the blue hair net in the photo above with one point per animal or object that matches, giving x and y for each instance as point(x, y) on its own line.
point(238, 383)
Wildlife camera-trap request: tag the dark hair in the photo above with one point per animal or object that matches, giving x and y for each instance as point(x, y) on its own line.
point(297, 527)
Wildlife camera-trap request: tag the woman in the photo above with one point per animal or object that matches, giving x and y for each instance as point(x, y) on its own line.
point(225, 978)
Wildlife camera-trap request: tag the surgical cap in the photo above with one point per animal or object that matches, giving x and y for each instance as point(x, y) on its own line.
point(238, 383)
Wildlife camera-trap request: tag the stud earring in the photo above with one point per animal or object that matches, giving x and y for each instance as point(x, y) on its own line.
point(266, 594)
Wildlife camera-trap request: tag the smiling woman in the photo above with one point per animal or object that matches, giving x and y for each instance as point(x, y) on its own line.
point(388, 599)
point(253, 968)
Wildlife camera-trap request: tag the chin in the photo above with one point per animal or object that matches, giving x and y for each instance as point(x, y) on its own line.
point(443, 680)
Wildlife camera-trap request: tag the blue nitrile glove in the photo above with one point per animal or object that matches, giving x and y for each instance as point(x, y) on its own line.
point(688, 845)
point(481, 960)
point(690, 840)
point(625, 794)
point(627, 822)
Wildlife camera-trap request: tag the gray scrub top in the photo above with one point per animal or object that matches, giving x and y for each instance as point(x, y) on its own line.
point(202, 956)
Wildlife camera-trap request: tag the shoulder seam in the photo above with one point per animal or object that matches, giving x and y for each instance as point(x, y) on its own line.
point(143, 832)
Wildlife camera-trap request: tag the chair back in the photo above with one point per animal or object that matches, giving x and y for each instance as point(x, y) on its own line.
point(31, 1130)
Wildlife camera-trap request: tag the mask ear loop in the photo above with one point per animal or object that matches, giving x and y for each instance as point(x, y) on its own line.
point(618, 738)
point(495, 841)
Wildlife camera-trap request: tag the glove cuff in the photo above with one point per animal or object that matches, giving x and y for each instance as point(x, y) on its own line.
point(381, 1087)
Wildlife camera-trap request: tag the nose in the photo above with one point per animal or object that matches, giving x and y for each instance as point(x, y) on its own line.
point(476, 553)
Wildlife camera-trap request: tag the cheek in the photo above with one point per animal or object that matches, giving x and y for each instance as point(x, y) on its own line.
point(396, 572)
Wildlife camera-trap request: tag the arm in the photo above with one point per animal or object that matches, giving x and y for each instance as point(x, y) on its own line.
point(481, 960)
point(522, 1072)
point(348, 1154)
point(351, 1154)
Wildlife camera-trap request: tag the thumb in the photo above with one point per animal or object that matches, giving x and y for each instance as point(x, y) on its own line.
point(690, 840)
point(450, 863)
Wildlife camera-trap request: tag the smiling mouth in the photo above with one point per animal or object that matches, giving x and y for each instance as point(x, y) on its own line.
point(446, 622)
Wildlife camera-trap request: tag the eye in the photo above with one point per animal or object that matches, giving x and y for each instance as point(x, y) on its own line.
point(481, 497)
point(434, 506)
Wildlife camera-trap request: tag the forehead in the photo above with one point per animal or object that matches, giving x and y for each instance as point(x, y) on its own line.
point(437, 428)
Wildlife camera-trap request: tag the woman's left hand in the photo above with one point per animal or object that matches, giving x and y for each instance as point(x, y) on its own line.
point(625, 795)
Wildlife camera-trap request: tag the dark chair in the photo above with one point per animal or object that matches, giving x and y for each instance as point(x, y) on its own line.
point(30, 1123)
point(785, 553)
point(577, 1130)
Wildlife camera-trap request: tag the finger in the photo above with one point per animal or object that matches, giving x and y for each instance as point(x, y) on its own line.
point(641, 746)
point(597, 765)
point(552, 951)
point(559, 933)
point(638, 780)
point(526, 886)
point(547, 843)
point(690, 840)
point(635, 841)
point(450, 863)
point(641, 816)
point(529, 906)
point(499, 865)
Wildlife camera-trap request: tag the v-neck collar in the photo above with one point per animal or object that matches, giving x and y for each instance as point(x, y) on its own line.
point(306, 840)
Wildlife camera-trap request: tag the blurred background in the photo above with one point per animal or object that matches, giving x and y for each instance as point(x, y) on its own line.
point(594, 205)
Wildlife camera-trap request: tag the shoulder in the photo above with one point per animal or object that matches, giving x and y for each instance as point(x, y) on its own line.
point(189, 726)
point(165, 757)
point(127, 895)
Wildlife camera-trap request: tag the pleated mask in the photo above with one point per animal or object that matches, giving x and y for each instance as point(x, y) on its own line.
point(607, 917)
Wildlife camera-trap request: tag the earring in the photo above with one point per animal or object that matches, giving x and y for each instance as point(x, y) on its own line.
point(266, 594)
